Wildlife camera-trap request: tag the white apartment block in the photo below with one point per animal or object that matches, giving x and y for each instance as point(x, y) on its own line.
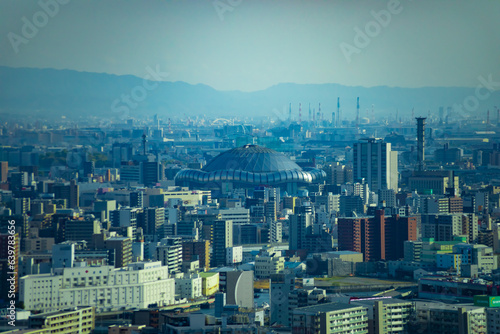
point(268, 264)
point(189, 287)
point(138, 285)
point(234, 255)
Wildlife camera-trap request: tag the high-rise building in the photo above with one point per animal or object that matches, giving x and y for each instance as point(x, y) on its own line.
point(376, 163)
point(442, 227)
point(338, 174)
point(169, 252)
point(123, 250)
point(125, 217)
point(21, 206)
point(69, 192)
point(81, 229)
point(192, 250)
point(222, 238)
point(433, 317)
point(121, 152)
point(151, 220)
point(304, 297)
point(268, 263)
point(276, 232)
point(136, 199)
point(105, 206)
point(18, 180)
point(63, 255)
point(279, 289)
point(88, 168)
point(388, 316)
point(300, 226)
point(4, 171)
point(412, 250)
point(379, 237)
point(150, 173)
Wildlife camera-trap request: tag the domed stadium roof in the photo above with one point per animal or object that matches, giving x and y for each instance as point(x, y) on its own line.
point(251, 158)
point(250, 165)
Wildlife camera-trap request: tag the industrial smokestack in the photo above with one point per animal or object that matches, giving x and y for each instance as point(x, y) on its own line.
point(421, 142)
point(357, 112)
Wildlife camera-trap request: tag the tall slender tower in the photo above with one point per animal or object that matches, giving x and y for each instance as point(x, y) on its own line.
point(290, 113)
point(333, 116)
point(310, 113)
point(338, 111)
point(357, 112)
point(421, 142)
point(144, 144)
point(300, 113)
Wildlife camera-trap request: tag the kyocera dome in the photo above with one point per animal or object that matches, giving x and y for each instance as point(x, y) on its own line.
point(249, 166)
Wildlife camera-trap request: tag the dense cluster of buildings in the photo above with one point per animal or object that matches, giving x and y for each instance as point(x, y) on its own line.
point(137, 219)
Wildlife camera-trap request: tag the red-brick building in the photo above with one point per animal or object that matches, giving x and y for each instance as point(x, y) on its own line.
point(378, 237)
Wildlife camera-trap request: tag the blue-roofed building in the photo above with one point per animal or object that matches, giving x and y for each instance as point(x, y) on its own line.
point(249, 166)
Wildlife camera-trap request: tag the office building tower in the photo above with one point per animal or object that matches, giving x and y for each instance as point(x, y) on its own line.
point(150, 173)
point(200, 250)
point(379, 237)
point(169, 252)
point(69, 192)
point(280, 287)
point(137, 199)
point(88, 168)
point(222, 238)
point(300, 226)
point(4, 171)
point(375, 162)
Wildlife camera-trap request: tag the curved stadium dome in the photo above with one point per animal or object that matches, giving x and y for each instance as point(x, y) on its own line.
point(252, 165)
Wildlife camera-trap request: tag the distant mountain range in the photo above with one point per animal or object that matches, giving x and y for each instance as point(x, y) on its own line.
point(53, 93)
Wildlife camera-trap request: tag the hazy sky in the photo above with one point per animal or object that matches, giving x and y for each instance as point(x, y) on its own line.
point(253, 44)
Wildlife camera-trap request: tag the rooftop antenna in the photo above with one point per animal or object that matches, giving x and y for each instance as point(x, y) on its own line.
point(310, 112)
point(290, 113)
point(373, 115)
point(319, 112)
